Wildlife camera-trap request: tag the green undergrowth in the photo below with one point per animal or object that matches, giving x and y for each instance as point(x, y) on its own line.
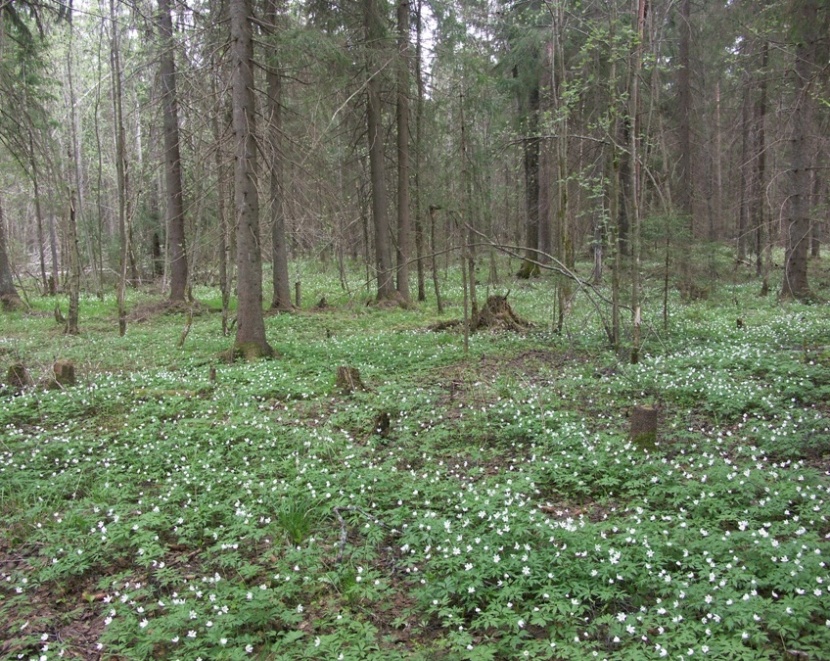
point(486, 505)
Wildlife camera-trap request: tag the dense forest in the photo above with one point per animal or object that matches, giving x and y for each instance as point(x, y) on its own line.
point(191, 143)
point(543, 293)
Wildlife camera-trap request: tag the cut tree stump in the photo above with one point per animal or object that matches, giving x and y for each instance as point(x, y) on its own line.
point(644, 421)
point(348, 380)
point(18, 377)
point(497, 314)
point(383, 424)
point(64, 373)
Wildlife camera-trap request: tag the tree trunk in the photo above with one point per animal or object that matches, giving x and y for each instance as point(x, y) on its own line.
point(685, 189)
point(531, 147)
point(9, 298)
point(402, 112)
point(763, 243)
point(798, 225)
point(250, 327)
point(419, 115)
point(74, 280)
point(120, 168)
point(221, 192)
point(172, 156)
point(47, 290)
point(634, 113)
point(383, 252)
point(281, 298)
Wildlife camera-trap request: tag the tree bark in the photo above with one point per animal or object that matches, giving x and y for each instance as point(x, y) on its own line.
point(531, 145)
point(795, 283)
point(172, 156)
point(281, 298)
point(402, 112)
point(9, 298)
point(250, 327)
point(74, 280)
point(685, 190)
point(419, 115)
point(221, 192)
point(383, 252)
point(120, 168)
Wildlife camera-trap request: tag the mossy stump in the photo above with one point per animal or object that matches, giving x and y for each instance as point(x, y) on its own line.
point(64, 373)
point(348, 380)
point(644, 422)
point(18, 377)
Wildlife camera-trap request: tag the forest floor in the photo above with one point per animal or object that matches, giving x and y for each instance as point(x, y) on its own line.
point(480, 505)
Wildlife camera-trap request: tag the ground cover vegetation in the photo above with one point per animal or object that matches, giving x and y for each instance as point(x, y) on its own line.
point(171, 505)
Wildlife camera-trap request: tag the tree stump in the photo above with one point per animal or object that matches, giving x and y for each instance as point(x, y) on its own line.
point(65, 372)
point(644, 421)
point(383, 424)
point(348, 380)
point(18, 377)
point(498, 314)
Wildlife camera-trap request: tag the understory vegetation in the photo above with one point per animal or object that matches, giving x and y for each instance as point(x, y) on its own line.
point(487, 505)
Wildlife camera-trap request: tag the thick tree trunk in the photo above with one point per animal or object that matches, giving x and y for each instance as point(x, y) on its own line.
point(380, 211)
point(798, 225)
point(250, 327)
point(9, 298)
point(172, 156)
point(281, 298)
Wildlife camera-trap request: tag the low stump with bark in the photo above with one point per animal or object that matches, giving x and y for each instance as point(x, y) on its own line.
point(496, 314)
point(348, 380)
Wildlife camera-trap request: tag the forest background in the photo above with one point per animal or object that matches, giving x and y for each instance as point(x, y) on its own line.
point(172, 143)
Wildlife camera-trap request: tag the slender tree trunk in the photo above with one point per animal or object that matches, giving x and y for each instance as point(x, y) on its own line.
point(281, 298)
point(715, 224)
point(221, 193)
point(419, 118)
point(761, 218)
point(685, 189)
point(565, 249)
point(634, 113)
point(433, 246)
point(120, 168)
point(467, 237)
point(402, 112)
point(816, 225)
point(74, 280)
point(54, 280)
point(250, 327)
point(172, 156)
point(35, 175)
point(746, 173)
point(380, 211)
